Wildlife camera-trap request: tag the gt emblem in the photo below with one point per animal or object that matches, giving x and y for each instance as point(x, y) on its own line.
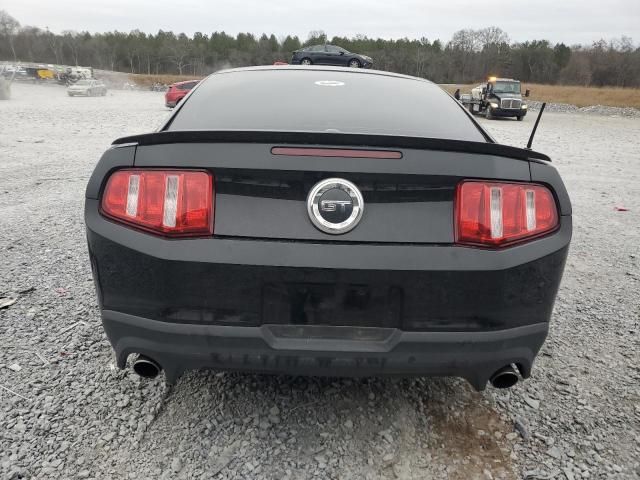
point(332, 205)
point(335, 205)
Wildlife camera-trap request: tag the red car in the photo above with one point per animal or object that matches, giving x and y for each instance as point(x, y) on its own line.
point(177, 91)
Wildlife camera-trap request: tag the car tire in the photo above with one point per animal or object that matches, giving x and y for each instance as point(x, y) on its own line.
point(306, 61)
point(520, 117)
point(354, 63)
point(487, 114)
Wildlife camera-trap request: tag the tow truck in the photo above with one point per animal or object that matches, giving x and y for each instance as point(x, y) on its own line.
point(499, 97)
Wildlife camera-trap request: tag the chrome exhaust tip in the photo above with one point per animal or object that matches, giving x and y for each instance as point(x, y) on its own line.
point(146, 367)
point(506, 377)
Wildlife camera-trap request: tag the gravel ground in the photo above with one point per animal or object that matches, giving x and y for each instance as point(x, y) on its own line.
point(591, 110)
point(67, 412)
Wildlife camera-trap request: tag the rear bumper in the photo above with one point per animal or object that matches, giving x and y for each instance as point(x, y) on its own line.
point(324, 351)
point(228, 303)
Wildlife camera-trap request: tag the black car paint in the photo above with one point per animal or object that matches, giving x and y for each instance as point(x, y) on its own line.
point(330, 55)
point(269, 295)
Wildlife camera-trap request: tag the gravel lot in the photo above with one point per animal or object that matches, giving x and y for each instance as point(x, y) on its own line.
point(67, 412)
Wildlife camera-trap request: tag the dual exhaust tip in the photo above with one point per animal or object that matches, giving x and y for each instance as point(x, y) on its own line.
point(506, 377)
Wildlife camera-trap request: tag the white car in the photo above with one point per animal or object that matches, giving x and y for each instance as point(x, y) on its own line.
point(87, 88)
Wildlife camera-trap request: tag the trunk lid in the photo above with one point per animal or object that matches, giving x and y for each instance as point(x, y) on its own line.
point(264, 196)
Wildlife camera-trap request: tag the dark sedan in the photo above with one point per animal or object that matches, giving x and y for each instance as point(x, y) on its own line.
point(330, 55)
point(396, 238)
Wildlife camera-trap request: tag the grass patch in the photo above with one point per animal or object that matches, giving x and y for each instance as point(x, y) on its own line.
point(148, 80)
point(574, 95)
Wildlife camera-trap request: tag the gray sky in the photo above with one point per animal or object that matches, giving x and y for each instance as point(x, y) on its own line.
point(569, 21)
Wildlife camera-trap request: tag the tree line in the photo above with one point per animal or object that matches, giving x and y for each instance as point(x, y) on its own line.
point(470, 55)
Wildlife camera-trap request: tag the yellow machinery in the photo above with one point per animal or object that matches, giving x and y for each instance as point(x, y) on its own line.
point(45, 74)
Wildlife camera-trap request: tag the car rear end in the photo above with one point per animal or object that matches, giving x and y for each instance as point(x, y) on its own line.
point(177, 91)
point(208, 246)
point(366, 61)
point(78, 89)
point(296, 57)
point(171, 96)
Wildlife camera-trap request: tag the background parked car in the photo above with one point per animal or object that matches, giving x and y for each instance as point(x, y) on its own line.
point(330, 55)
point(177, 91)
point(88, 88)
point(15, 73)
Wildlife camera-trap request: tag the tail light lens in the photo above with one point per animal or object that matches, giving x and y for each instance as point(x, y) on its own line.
point(496, 214)
point(168, 202)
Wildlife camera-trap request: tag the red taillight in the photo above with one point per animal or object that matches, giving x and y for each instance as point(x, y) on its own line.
point(169, 202)
point(496, 213)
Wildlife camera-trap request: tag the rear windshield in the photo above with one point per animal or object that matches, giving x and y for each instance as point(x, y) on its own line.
point(187, 86)
point(324, 101)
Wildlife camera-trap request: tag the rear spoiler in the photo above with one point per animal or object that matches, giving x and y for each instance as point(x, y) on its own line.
point(337, 139)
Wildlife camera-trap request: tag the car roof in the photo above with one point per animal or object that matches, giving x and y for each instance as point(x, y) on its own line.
point(324, 99)
point(327, 68)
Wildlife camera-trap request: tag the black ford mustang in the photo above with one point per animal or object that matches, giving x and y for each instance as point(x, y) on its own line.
point(255, 232)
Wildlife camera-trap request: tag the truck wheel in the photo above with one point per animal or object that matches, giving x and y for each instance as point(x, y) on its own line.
point(519, 117)
point(488, 113)
point(471, 109)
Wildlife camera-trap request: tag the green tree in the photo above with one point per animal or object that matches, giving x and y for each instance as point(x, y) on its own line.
point(290, 44)
point(8, 29)
point(469, 56)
